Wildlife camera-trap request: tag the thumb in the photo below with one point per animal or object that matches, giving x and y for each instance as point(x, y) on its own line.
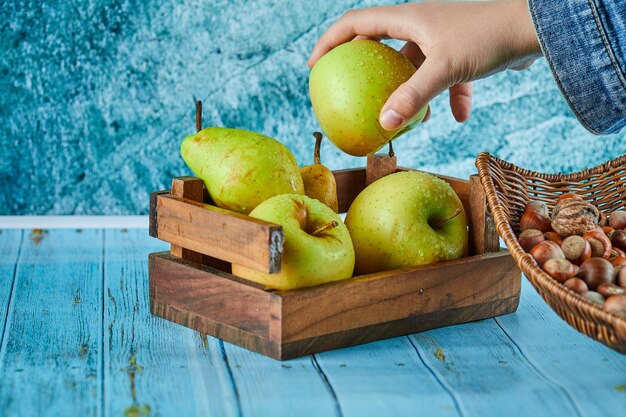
point(411, 96)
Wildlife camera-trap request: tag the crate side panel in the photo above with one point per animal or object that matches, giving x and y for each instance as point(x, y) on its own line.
point(397, 295)
point(198, 295)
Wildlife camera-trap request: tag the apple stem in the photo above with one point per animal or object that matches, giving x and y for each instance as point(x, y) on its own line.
point(391, 153)
point(318, 144)
point(325, 227)
point(438, 223)
point(198, 115)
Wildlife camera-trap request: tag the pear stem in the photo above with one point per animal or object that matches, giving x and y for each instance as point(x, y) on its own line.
point(325, 227)
point(391, 153)
point(318, 144)
point(438, 223)
point(198, 115)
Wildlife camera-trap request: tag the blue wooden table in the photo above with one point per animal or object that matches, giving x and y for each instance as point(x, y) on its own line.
point(77, 339)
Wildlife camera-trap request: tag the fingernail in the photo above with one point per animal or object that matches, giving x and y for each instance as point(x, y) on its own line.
point(390, 119)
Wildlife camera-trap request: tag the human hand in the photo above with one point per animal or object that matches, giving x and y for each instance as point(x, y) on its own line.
point(451, 44)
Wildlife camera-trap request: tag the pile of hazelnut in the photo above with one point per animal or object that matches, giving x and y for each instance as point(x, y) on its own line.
point(580, 247)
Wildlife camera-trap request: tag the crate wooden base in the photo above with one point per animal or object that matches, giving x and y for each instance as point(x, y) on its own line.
point(288, 324)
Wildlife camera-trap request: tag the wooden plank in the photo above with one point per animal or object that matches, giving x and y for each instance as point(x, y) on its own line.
point(482, 368)
point(151, 364)
point(395, 328)
point(223, 234)
point(350, 182)
point(10, 245)
point(482, 228)
point(557, 351)
point(50, 359)
point(378, 166)
point(187, 293)
point(279, 389)
point(385, 378)
point(191, 188)
point(396, 295)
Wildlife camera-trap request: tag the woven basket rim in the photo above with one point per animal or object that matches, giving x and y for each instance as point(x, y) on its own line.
point(552, 291)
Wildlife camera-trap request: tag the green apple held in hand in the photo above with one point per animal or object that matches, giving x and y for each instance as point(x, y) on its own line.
point(349, 86)
point(241, 169)
point(405, 219)
point(317, 246)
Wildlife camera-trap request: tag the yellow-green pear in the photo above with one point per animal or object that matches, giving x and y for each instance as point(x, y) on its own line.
point(319, 181)
point(349, 86)
point(241, 169)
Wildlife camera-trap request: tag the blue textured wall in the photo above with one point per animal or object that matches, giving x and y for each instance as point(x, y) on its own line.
point(95, 97)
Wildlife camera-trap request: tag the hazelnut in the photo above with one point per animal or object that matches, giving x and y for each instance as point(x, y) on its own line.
point(534, 220)
point(546, 250)
point(607, 230)
point(559, 269)
point(554, 237)
point(617, 219)
point(620, 277)
point(530, 238)
point(574, 216)
point(596, 271)
point(568, 195)
point(577, 285)
point(616, 304)
point(603, 220)
point(576, 249)
point(600, 244)
point(619, 260)
point(608, 289)
point(618, 239)
point(594, 298)
point(538, 206)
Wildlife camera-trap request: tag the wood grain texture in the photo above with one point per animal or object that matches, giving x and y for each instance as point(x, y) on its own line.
point(222, 234)
point(287, 324)
point(361, 376)
point(150, 364)
point(527, 363)
point(350, 182)
point(399, 294)
point(50, 358)
point(478, 358)
point(555, 350)
point(270, 388)
point(10, 247)
point(482, 229)
point(378, 166)
point(191, 188)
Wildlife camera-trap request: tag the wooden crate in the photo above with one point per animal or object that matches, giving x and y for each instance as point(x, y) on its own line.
point(192, 284)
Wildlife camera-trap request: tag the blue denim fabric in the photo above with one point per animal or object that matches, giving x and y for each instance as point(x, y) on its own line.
point(584, 42)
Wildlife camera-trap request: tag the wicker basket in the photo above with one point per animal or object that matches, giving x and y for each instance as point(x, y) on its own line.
point(509, 188)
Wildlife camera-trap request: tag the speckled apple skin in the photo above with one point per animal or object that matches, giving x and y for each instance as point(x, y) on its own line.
point(241, 169)
point(388, 223)
point(349, 86)
point(307, 260)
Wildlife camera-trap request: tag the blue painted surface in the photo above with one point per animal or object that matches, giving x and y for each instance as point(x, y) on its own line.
point(96, 96)
point(80, 340)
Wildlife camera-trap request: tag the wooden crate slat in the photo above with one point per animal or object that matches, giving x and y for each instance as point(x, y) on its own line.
point(232, 237)
point(483, 237)
point(397, 294)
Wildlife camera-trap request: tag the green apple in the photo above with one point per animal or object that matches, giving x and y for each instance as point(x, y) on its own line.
point(405, 219)
point(240, 168)
point(317, 245)
point(349, 86)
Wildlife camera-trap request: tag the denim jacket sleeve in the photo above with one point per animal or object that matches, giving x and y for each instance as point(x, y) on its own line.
point(584, 42)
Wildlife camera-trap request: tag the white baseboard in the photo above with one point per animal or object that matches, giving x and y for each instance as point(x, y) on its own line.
point(73, 222)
